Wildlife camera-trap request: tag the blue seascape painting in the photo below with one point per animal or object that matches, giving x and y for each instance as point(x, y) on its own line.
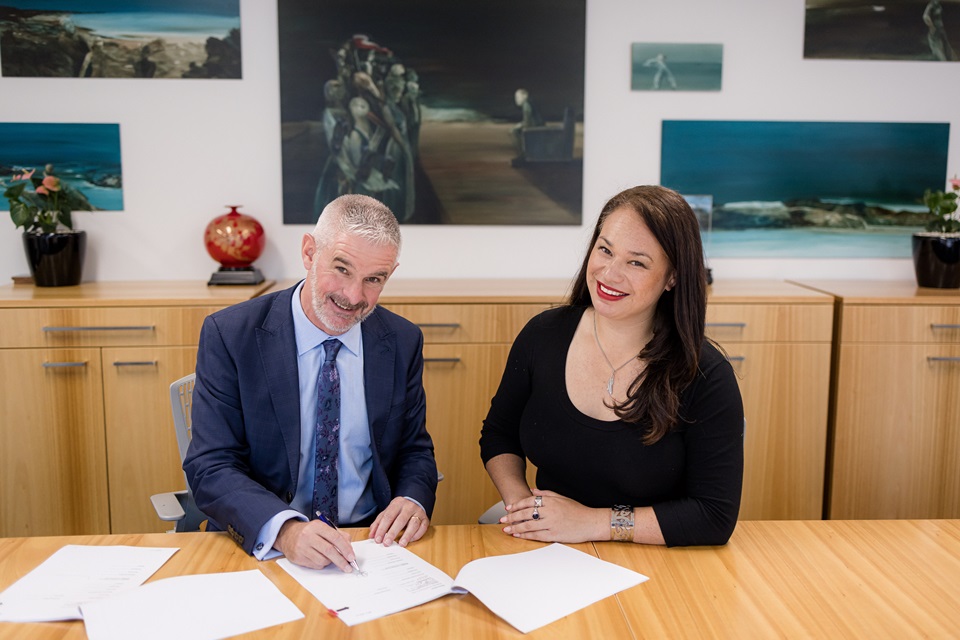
point(84, 156)
point(121, 38)
point(807, 189)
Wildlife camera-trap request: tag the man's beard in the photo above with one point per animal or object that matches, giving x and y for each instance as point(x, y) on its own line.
point(328, 318)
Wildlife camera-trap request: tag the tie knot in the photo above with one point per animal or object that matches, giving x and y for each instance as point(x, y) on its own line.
point(331, 348)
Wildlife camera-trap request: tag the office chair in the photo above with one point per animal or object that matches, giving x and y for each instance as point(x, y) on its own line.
point(493, 514)
point(178, 506)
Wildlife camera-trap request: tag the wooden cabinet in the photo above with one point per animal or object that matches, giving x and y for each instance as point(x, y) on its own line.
point(778, 338)
point(87, 434)
point(896, 422)
point(468, 328)
point(777, 335)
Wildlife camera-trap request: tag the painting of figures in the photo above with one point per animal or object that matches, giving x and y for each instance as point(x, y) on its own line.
point(120, 38)
point(86, 157)
point(807, 189)
point(662, 66)
point(449, 112)
point(891, 30)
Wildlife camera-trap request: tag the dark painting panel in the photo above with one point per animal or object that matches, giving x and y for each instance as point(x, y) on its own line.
point(891, 30)
point(84, 156)
point(120, 39)
point(419, 105)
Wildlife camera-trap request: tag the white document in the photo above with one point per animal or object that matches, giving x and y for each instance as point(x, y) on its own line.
point(197, 607)
point(77, 574)
point(528, 590)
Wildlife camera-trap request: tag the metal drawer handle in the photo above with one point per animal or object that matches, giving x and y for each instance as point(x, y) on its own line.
point(735, 325)
point(58, 365)
point(60, 329)
point(440, 325)
point(736, 358)
point(135, 363)
point(944, 326)
point(441, 360)
point(943, 359)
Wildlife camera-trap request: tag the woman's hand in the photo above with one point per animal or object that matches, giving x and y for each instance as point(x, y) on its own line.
point(550, 517)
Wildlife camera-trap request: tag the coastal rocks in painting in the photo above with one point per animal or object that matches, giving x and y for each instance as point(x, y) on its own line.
point(37, 43)
point(810, 213)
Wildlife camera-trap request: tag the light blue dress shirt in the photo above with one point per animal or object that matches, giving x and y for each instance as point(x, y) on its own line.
point(355, 499)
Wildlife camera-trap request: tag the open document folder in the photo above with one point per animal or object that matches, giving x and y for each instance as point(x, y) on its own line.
point(561, 580)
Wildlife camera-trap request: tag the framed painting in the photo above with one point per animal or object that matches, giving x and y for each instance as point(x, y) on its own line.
point(449, 112)
point(664, 66)
point(891, 30)
point(84, 156)
point(807, 189)
point(120, 39)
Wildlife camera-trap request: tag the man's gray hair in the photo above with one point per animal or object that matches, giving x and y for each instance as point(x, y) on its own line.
point(358, 215)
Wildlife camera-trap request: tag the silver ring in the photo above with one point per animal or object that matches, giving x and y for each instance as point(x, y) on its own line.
point(537, 501)
point(536, 513)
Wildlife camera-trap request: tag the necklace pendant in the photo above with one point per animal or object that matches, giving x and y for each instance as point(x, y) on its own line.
point(610, 386)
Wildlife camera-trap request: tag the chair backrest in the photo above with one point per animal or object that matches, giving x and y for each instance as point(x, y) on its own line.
point(181, 400)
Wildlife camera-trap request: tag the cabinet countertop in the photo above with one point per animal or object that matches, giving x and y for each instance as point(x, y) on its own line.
point(129, 294)
point(888, 292)
point(554, 290)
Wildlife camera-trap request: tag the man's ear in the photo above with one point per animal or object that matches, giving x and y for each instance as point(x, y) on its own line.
point(308, 250)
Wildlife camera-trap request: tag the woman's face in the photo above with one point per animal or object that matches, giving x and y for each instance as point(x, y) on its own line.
point(627, 270)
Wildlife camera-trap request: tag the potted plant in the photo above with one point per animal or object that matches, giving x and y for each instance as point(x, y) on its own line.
point(936, 250)
point(43, 206)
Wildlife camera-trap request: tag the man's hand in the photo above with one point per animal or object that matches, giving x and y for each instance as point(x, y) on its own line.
point(401, 515)
point(315, 545)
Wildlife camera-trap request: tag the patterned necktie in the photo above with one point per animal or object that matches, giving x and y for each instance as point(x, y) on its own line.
point(328, 434)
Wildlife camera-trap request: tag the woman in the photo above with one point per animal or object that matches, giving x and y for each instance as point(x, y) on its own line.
point(633, 419)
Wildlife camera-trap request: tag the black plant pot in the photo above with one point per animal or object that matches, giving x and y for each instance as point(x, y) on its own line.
point(55, 259)
point(936, 260)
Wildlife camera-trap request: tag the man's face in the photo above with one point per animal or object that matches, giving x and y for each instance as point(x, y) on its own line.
point(344, 280)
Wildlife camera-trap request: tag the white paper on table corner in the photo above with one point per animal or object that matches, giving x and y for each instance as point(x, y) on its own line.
point(193, 607)
point(75, 574)
point(534, 588)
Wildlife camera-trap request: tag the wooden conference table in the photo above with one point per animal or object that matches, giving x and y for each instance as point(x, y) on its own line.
point(784, 579)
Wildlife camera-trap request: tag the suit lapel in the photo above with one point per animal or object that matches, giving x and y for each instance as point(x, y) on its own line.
point(278, 354)
point(379, 353)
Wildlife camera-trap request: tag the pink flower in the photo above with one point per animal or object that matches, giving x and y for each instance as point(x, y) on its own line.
point(52, 183)
point(42, 190)
point(26, 175)
point(954, 183)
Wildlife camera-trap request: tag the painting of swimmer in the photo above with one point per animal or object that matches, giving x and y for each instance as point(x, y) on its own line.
point(658, 66)
point(921, 30)
point(451, 113)
point(120, 39)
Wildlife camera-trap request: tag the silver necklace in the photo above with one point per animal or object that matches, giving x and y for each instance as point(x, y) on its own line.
point(613, 371)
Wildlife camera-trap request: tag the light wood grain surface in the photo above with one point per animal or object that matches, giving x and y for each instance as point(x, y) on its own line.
point(775, 579)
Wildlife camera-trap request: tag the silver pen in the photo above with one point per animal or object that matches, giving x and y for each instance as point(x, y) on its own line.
point(353, 563)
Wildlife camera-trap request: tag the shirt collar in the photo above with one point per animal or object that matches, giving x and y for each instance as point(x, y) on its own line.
point(309, 336)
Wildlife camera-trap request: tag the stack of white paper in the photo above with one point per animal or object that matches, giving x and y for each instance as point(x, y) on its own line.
point(563, 580)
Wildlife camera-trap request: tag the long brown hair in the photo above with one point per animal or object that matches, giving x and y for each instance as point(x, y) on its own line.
point(673, 354)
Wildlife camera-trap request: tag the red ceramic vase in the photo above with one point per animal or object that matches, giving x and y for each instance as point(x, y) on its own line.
point(234, 239)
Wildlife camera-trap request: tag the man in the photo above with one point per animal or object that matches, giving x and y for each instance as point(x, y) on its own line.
point(262, 396)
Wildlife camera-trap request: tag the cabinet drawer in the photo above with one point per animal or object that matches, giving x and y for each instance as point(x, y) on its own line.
point(907, 324)
point(101, 326)
point(468, 323)
point(769, 322)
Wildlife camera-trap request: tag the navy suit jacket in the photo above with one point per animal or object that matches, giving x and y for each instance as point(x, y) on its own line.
point(242, 463)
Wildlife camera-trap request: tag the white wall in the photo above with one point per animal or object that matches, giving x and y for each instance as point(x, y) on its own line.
point(190, 146)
